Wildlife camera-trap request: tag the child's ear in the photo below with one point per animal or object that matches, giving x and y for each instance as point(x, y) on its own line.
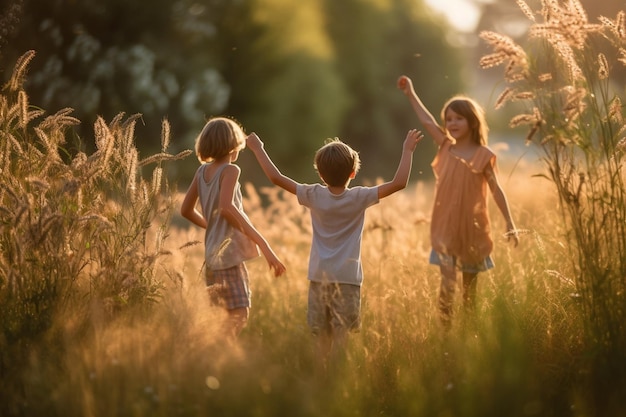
point(352, 175)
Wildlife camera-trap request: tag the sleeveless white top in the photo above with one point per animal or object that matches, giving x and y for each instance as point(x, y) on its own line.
point(225, 246)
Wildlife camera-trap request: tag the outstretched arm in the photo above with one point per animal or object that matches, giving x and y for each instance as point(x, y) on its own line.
point(401, 178)
point(230, 177)
point(502, 203)
point(425, 117)
point(254, 143)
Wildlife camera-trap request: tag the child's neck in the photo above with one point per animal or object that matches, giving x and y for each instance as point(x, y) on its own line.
point(337, 189)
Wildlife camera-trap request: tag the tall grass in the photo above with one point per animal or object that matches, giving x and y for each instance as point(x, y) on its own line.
point(104, 312)
point(73, 228)
point(564, 77)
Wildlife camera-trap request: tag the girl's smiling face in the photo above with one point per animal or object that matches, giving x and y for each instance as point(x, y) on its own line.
point(457, 125)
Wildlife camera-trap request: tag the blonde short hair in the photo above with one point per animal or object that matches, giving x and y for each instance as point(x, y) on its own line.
point(219, 137)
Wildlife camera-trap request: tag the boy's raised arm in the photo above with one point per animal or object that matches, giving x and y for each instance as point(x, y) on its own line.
point(254, 143)
point(401, 178)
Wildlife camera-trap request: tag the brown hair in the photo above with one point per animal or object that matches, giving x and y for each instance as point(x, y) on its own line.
point(474, 114)
point(219, 137)
point(335, 162)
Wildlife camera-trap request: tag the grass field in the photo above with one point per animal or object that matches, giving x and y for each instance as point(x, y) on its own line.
point(104, 312)
point(522, 353)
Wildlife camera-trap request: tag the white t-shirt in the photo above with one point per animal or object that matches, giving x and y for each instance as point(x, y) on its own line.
point(337, 222)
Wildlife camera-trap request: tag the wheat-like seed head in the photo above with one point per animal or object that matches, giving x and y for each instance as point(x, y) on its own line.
point(190, 244)
point(617, 26)
point(165, 135)
point(52, 153)
point(59, 120)
point(12, 144)
point(615, 111)
point(105, 142)
point(128, 138)
point(531, 119)
point(131, 170)
point(157, 174)
point(22, 100)
point(524, 95)
point(161, 157)
point(620, 22)
point(493, 60)
point(545, 77)
point(19, 72)
point(98, 219)
point(145, 194)
point(505, 49)
point(574, 104)
point(603, 67)
point(504, 97)
point(526, 10)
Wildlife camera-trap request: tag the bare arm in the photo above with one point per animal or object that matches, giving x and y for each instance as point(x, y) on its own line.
point(401, 178)
point(502, 203)
point(425, 117)
point(188, 207)
point(230, 177)
point(255, 144)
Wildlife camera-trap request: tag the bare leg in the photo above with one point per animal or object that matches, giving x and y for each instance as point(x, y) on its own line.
point(338, 347)
point(446, 293)
point(235, 322)
point(323, 352)
point(469, 290)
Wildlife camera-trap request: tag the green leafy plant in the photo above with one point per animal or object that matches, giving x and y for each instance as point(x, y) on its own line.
point(564, 77)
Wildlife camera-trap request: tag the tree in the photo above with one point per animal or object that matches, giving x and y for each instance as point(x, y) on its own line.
point(288, 70)
point(105, 57)
point(385, 39)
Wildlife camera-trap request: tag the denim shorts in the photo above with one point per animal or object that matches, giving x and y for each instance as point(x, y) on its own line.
point(442, 259)
point(229, 288)
point(333, 305)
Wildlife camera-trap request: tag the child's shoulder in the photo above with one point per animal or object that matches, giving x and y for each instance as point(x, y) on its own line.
point(487, 150)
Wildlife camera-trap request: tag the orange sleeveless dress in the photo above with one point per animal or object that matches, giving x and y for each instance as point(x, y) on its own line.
point(460, 225)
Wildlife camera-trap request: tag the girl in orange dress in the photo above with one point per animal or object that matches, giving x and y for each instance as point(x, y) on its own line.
point(464, 168)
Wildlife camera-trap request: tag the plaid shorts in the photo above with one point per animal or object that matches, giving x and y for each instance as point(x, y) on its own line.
point(333, 305)
point(229, 288)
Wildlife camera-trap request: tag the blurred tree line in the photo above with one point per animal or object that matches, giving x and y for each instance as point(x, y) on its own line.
point(294, 71)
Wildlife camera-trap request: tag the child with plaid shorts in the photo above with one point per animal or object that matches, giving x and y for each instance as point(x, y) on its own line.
point(230, 237)
point(337, 215)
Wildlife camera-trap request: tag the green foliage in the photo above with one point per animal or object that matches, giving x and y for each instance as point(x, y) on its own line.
point(295, 72)
point(383, 40)
point(564, 76)
point(76, 231)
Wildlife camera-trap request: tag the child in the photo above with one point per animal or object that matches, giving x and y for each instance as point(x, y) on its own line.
point(464, 166)
point(230, 238)
point(337, 217)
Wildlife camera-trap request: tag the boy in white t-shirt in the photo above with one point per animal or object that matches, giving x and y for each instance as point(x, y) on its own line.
point(337, 216)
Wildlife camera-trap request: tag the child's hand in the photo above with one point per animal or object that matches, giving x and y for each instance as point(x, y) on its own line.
point(412, 139)
point(512, 235)
point(253, 142)
point(405, 84)
point(277, 266)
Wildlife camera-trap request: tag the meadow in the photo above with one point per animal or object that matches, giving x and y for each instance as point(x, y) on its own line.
point(104, 312)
